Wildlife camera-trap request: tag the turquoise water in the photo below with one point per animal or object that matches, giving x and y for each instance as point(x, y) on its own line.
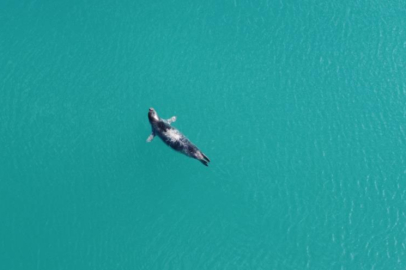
point(299, 105)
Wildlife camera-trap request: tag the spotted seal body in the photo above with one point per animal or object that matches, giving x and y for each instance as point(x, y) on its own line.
point(173, 137)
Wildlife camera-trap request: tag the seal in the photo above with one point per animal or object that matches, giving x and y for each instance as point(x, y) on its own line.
point(173, 137)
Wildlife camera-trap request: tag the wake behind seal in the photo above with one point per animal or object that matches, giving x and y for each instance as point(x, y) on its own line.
point(173, 137)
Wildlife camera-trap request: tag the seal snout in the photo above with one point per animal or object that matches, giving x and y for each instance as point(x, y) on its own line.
point(152, 115)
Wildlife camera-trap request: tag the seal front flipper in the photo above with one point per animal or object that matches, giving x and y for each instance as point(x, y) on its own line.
point(171, 120)
point(151, 137)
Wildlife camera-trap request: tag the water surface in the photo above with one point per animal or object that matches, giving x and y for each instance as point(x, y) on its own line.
point(300, 107)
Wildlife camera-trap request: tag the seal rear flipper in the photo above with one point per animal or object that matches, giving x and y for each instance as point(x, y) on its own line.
point(205, 157)
point(205, 163)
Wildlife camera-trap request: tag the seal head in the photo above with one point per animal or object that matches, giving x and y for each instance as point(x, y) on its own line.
point(152, 115)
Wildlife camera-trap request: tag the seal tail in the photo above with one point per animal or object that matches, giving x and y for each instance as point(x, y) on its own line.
point(205, 160)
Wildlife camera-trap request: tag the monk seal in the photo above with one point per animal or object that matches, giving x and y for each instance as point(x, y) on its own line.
point(173, 138)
